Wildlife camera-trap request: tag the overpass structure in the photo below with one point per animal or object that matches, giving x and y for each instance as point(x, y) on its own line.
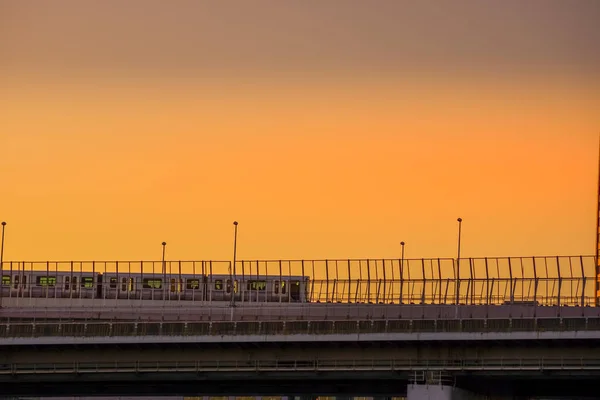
point(527, 328)
point(523, 356)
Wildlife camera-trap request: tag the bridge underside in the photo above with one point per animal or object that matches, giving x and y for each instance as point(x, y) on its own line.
point(565, 368)
point(551, 385)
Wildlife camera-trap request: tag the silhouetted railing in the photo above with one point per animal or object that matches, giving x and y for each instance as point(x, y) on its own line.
point(552, 280)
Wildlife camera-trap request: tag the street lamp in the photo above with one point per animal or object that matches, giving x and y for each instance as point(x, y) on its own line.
point(2, 246)
point(402, 274)
point(232, 283)
point(1, 262)
point(458, 262)
point(164, 265)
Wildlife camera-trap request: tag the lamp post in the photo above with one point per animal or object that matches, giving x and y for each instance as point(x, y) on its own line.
point(402, 245)
point(164, 265)
point(402, 273)
point(2, 246)
point(1, 263)
point(233, 288)
point(458, 262)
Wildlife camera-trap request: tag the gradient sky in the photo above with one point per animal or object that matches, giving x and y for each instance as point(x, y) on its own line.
point(326, 128)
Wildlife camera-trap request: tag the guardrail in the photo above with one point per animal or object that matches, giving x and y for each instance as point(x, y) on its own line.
point(552, 280)
point(289, 312)
point(533, 364)
point(336, 327)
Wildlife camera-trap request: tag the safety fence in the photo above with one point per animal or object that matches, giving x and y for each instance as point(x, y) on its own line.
point(508, 364)
point(551, 280)
point(145, 329)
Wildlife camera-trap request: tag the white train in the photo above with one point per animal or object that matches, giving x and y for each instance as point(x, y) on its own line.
point(132, 286)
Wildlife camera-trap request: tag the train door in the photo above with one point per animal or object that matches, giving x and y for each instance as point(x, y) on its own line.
point(127, 288)
point(236, 290)
point(227, 290)
point(204, 288)
point(70, 287)
point(232, 288)
point(24, 288)
point(19, 286)
point(99, 293)
point(285, 296)
point(174, 288)
point(75, 286)
point(280, 290)
point(295, 291)
point(16, 286)
point(112, 289)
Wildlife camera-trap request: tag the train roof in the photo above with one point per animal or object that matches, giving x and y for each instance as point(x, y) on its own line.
point(157, 274)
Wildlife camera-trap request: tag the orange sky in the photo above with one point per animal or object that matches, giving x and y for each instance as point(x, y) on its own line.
point(324, 137)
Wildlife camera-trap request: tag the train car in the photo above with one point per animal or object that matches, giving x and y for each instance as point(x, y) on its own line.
point(258, 289)
point(138, 286)
point(50, 284)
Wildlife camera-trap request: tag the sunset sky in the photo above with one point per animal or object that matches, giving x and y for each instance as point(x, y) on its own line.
point(328, 129)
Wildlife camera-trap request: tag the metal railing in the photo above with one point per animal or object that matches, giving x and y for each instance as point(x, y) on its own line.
point(112, 310)
point(552, 280)
point(407, 365)
point(339, 327)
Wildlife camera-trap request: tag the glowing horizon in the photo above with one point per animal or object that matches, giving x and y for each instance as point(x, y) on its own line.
point(330, 130)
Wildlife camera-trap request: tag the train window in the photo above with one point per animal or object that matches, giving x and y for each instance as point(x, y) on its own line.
point(283, 287)
point(228, 285)
point(235, 286)
point(150, 283)
point(131, 284)
point(87, 282)
point(219, 284)
point(16, 282)
point(5, 280)
point(113, 283)
point(257, 285)
point(45, 280)
point(74, 282)
point(67, 282)
point(276, 287)
point(123, 284)
point(192, 284)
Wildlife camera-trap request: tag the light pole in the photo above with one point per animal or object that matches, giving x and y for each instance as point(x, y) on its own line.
point(2, 246)
point(458, 262)
point(402, 274)
point(402, 245)
point(164, 266)
point(233, 288)
point(1, 263)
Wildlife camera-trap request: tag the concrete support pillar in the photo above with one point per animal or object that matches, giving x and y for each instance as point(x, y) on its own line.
point(439, 392)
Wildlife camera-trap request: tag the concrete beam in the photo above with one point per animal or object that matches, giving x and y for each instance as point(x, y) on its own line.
point(303, 338)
